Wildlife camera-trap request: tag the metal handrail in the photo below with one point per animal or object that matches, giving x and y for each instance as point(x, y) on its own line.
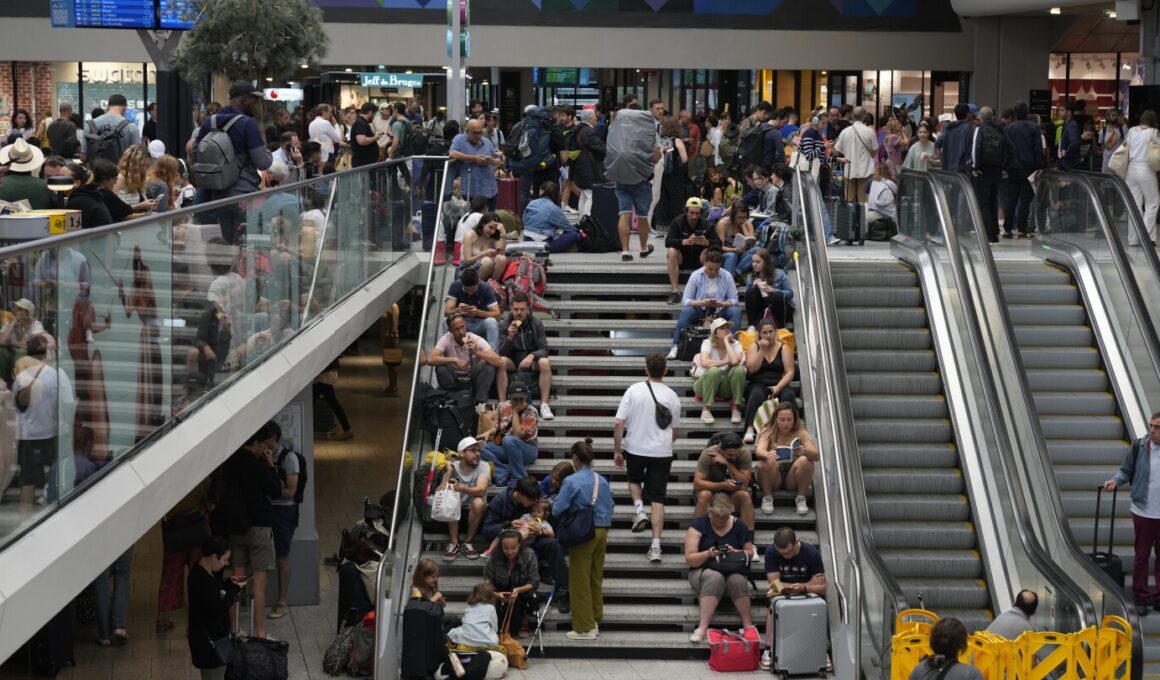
point(1135, 218)
point(865, 552)
point(386, 624)
point(1014, 479)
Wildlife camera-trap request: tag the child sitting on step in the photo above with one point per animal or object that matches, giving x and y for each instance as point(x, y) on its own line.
point(480, 623)
point(538, 516)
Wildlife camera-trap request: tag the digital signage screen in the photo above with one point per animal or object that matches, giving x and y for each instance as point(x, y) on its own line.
point(114, 13)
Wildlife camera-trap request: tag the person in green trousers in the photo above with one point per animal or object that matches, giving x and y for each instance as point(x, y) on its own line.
point(580, 490)
point(720, 370)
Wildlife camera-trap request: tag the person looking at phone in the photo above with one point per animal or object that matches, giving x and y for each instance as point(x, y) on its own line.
point(516, 428)
point(483, 248)
point(478, 160)
point(524, 348)
point(725, 467)
point(792, 567)
point(786, 455)
point(769, 289)
point(710, 291)
point(709, 539)
point(364, 141)
point(210, 601)
point(476, 303)
point(690, 237)
point(289, 151)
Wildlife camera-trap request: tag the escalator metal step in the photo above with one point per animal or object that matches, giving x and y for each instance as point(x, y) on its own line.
point(1054, 336)
point(1060, 357)
point(908, 455)
point(949, 593)
point(927, 481)
point(913, 360)
point(902, 428)
point(1070, 314)
point(1077, 403)
point(881, 383)
point(1062, 380)
point(1108, 452)
point(925, 564)
point(889, 405)
point(1041, 295)
point(1091, 427)
point(904, 507)
point(878, 297)
point(851, 317)
point(923, 534)
point(873, 338)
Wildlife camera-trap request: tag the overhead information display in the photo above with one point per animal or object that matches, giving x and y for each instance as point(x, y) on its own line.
point(114, 13)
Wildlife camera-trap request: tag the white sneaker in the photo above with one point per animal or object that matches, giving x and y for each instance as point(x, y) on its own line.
point(707, 416)
point(672, 353)
point(654, 554)
point(767, 505)
point(735, 417)
point(749, 436)
point(546, 411)
point(640, 523)
point(579, 635)
point(764, 664)
point(833, 241)
point(802, 507)
point(697, 636)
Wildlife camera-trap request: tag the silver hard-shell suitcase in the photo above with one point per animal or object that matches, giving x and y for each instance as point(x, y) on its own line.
point(800, 635)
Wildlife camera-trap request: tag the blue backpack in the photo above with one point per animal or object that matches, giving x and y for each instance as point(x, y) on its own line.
point(530, 147)
point(779, 242)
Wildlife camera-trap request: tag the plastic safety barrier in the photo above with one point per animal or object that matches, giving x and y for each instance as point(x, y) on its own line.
point(1103, 653)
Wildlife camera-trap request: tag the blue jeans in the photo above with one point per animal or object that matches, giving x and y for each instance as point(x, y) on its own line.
point(511, 460)
point(729, 262)
point(634, 198)
point(691, 315)
point(745, 262)
point(558, 244)
point(488, 328)
point(113, 612)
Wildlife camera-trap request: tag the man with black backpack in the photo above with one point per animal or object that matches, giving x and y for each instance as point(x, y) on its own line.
point(533, 150)
point(228, 152)
point(402, 143)
point(989, 151)
point(284, 517)
point(752, 144)
point(110, 134)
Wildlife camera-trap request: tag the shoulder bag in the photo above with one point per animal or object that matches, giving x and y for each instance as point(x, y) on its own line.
point(24, 395)
point(1152, 156)
point(577, 527)
point(664, 416)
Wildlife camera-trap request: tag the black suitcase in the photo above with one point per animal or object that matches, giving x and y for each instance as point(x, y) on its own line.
point(352, 594)
point(51, 648)
point(605, 210)
point(427, 223)
point(1109, 562)
point(690, 344)
point(257, 658)
point(423, 638)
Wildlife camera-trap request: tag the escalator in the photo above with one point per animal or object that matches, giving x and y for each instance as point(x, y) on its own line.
point(919, 512)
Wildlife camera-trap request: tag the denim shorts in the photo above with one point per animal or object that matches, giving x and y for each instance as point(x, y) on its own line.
point(638, 197)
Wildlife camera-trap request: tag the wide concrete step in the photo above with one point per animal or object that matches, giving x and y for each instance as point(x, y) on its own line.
point(620, 615)
point(562, 326)
point(655, 344)
point(565, 291)
point(682, 448)
point(671, 541)
point(617, 364)
point(569, 307)
point(609, 404)
point(616, 383)
point(596, 423)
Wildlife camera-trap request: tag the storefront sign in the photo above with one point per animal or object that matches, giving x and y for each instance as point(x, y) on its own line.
point(282, 94)
point(412, 80)
point(116, 74)
point(1040, 103)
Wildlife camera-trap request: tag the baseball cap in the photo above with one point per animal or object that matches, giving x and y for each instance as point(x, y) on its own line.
point(156, 148)
point(467, 443)
point(518, 391)
point(241, 88)
point(694, 202)
point(730, 440)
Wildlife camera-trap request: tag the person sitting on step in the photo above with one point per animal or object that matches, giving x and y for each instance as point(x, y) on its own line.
point(709, 540)
point(769, 363)
point(785, 458)
point(709, 290)
point(506, 509)
point(463, 359)
point(483, 248)
point(718, 368)
point(523, 345)
point(512, 443)
point(725, 467)
point(690, 236)
point(769, 289)
point(476, 302)
point(514, 573)
point(545, 222)
point(792, 567)
point(470, 477)
point(538, 516)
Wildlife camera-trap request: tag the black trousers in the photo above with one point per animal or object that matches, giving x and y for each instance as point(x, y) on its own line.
point(987, 191)
point(1020, 194)
point(776, 303)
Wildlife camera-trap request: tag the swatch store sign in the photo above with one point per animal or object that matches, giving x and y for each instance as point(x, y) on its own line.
point(395, 80)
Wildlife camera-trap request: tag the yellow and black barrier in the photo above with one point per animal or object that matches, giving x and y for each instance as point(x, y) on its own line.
point(1103, 653)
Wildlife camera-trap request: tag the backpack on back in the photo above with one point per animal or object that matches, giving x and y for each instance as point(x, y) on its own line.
point(532, 144)
point(779, 242)
point(417, 140)
point(730, 141)
point(992, 150)
point(108, 145)
point(751, 148)
point(300, 490)
point(216, 162)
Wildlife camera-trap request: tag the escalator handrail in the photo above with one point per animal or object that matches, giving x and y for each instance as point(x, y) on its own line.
point(385, 623)
point(865, 550)
point(1022, 414)
point(1124, 267)
point(1013, 479)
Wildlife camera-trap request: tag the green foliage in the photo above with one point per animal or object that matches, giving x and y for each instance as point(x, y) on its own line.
point(251, 40)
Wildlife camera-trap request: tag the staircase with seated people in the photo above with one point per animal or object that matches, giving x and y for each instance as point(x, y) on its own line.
point(611, 314)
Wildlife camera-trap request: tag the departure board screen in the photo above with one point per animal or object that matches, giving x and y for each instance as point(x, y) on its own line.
point(176, 15)
point(115, 13)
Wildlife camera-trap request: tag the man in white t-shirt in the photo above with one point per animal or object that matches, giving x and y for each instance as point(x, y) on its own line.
point(470, 477)
point(36, 444)
point(646, 448)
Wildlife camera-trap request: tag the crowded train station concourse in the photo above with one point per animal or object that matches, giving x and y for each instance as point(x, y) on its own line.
point(615, 339)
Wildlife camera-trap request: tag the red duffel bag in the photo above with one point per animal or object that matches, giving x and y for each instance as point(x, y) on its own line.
point(734, 651)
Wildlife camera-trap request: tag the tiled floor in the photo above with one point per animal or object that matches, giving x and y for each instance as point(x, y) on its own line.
point(345, 472)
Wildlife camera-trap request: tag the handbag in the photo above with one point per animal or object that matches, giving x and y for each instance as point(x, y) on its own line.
point(224, 649)
point(24, 395)
point(184, 533)
point(663, 415)
point(706, 150)
point(516, 656)
point(734, 651)
point(1153, 154)
point(576, 527)
point(1118, 162)
point(727, 564)
point(445, 503)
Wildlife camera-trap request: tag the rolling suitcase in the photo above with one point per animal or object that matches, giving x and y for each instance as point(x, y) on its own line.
point(800, 635)
point(847, 222)
point(51, 648)
point(257, 658)
point(428, 224)
point(508, 197)
point(605, 210)
point(352, 594)
point(1109, 562)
